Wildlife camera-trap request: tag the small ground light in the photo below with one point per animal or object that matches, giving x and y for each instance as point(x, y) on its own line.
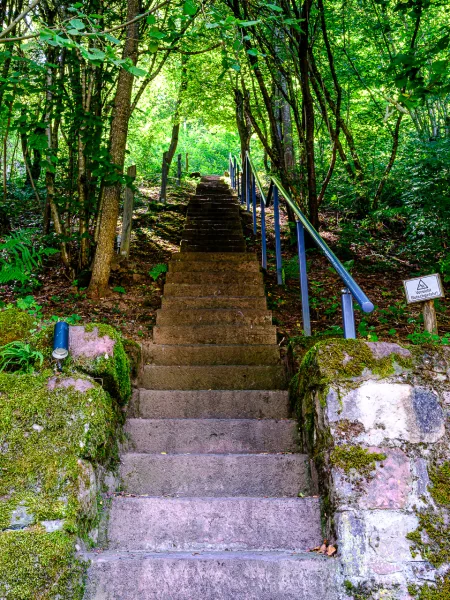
point(61, 341)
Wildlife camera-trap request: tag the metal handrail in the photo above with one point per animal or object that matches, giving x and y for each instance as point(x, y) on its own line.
point(351, 291)
point(347, 279)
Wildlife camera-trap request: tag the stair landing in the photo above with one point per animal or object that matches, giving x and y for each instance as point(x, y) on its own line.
point(217, 499)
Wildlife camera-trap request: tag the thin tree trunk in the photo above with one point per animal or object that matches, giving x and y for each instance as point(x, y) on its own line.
point(396, 137)
point(98, 286)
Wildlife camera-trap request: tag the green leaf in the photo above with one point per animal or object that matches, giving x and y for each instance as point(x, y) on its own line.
point(155, 33)
point(136, 71)
point(247, 23)
point(119, 289)
point(252, 52)
point(189, 8)
point(274, 7)
point(112, 39)
point(77, 24)
point(151, 19)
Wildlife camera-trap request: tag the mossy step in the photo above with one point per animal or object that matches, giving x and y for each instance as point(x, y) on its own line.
point(214, 256)
point(211, 354)
point(250, 266)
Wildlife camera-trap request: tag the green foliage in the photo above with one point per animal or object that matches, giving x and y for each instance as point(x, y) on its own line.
point(19, 356)
point(157, 270)
point(119, 289)
point(21, 257)
point(425, 337)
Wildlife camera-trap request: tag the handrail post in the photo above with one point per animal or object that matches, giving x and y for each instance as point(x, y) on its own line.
point(230, 169)
point(247, 182)
point(348, 315)
point(238, 181)
point(276, 216)
point(303, 278)
point(234, 173)
point(263, 236)
point(254, 203)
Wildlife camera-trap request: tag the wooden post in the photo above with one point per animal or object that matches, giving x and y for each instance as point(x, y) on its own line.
point(164, 176)
point(429, 317)
point(187, 163)
point(127, 215)
point(179, 169)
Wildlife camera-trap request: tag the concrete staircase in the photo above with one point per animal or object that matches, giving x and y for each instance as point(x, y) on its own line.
point(211, 472)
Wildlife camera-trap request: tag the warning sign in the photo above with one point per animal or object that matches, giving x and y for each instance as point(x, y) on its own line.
point(423, 288)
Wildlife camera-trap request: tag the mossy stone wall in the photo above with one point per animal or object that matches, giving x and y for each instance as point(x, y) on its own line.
point(375, 420)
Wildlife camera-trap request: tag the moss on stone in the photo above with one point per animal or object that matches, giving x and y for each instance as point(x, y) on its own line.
point(440, 478)
point(432, 535)
point(15, 325)
point(439, 591)
point(355, 458)
point(114, 371)
point(44, 436)
point(35, 564)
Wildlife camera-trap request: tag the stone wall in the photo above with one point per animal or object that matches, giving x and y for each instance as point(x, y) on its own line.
point(375, 421)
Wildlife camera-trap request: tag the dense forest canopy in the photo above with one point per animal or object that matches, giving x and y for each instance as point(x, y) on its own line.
point(347, 101)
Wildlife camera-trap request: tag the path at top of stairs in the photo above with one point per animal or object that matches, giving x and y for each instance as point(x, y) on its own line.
point(211, 471)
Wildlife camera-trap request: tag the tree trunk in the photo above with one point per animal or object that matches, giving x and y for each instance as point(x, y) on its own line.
point(308, 112)
point(245, 133)
point(168, 156)
point(98, 286)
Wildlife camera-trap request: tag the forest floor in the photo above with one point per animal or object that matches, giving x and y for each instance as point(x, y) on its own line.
point(373, 254)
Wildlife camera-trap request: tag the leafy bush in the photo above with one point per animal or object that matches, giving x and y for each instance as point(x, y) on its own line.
point(157, 271)
point(19, 356)
point(21, 257)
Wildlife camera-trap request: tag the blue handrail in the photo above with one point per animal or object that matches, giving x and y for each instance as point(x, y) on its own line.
point(351, 290)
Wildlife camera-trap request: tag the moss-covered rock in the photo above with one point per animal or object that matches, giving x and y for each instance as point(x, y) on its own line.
point(48, 427)
point(98, 350)
point(35, 564)
point(15, 325)
point(54, 431)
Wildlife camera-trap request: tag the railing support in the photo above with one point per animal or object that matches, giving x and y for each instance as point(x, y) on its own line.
point(238, 182)
point(247, 183)
point(263, 235)
point(276, 216)
point(303, 278)
point(254, 203)
point(348, 315)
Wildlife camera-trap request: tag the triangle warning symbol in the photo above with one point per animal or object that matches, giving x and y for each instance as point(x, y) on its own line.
point(422, 285)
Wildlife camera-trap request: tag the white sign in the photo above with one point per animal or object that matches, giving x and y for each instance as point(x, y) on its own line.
point(423, 288)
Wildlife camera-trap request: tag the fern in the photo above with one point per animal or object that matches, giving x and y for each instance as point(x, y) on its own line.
point(21, 256)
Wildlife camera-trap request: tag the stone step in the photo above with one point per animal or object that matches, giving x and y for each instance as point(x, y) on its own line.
point(205, 316)
point(214, 256)
point(219, 289)
point(184, 302)
point(211, 436)
point(211, 576)
point(210, 354)
point(250, 266)
point(216, 229)
point(215, 334)
point(222, 247)
point(215, 277)
point(209, 404)
point(215, 475)
point(214, 524)
point(233, 377)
